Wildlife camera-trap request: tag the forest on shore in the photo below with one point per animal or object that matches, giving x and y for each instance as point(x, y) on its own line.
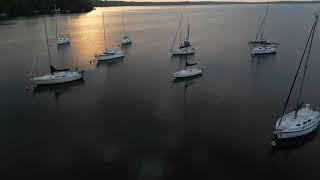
point(110, 3)
point(13, 8)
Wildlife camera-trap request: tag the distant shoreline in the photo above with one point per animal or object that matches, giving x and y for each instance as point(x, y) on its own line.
point(184, 3)
point(98, 3)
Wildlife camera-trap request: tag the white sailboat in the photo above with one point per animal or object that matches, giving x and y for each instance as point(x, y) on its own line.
point(61, 38)
point(56, 76)
point(126, 38)
point(305, 118)
point(188, 71)
point(260, 44)
point(110, 53)
point(185, 47)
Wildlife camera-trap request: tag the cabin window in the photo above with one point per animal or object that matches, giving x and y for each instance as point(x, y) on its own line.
point(298, 124)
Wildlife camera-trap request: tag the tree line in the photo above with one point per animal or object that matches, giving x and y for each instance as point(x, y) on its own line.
point(34, 7)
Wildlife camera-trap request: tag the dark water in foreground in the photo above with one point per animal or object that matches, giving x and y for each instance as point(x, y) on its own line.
point(127, 120)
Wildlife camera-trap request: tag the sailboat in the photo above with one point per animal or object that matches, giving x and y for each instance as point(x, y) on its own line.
point(261, 45)
point(110, 53)
point(188, 71)
point(61, 38)
point(125, 39)
point(305, 118)
point(185, 47)
point(56, 76)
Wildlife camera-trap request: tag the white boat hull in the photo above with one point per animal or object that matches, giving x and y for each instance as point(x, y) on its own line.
point(259, 50)
point(109, 57)
point(294, 125)
point(286, 135)
point(63, 41)
point(57, 78)
point(126, 41)
point(189, 72)
point(183, 51)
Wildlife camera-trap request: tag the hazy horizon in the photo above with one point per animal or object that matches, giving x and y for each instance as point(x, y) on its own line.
point(208, 0)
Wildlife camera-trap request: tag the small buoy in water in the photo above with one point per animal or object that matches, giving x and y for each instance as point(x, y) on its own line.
point(273, 143)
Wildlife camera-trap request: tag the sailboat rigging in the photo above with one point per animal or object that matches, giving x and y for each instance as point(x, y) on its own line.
point(60, 38)
point(185, 47)
point(56, 76)
point(175, 36)
point(109, 53)
point(304, 119)
point(261, 45)
point(259, 39)
point(261, 29)
point(125, 39)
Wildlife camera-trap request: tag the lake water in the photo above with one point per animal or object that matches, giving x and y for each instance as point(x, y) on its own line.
point(128, 120)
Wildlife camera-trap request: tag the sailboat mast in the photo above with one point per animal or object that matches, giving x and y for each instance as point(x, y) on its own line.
point(264, 22)
point(188, 34)
point(261, 36)
point(307, 61)
point(175, 36)
point(124, 30)
point(56, 14)
point(104, 32)
point(180, 28)
point(262, 25)
point(46, 33)
point(297, 72)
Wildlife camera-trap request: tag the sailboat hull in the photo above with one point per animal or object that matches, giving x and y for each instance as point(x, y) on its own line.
point(297, 124)
point(183, 51)
point(189, 72)
point(109, 56)
point(57, 78)
point(63, 41)
point(125, 41)
point(263, 50)
point(287, 135)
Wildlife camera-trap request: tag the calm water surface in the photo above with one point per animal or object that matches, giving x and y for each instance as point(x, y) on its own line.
point(128, 120)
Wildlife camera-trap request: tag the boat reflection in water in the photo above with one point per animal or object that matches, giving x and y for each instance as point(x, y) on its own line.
point(63, 47)
point(150, 169)
point(109, 63)
point(58, 89)
point(294, 143)
point(187, 79)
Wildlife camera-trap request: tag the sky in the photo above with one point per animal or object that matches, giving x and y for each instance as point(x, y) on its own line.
point(208, 0)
